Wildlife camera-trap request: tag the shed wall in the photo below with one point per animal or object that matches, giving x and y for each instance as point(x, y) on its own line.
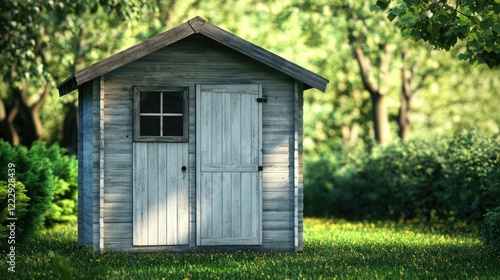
point(88, 164)
point(197, 60)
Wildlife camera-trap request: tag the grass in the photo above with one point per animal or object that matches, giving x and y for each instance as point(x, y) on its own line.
point(333, 249)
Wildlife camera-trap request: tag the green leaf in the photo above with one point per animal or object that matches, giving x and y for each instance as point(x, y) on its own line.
point(383, 4)
point(374, 7)
point(391, 16)
point(496, 8)
point(443, 18)
point(463, 56)
point(462, 21)
point(496, 28)
point(473, 36)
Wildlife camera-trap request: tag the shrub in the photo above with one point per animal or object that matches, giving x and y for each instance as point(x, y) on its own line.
point(35, 173)
point(490, 230)
point(455, 178)
point(18, 206)
point(65, 169)
point(50, 178)
point(471, 178)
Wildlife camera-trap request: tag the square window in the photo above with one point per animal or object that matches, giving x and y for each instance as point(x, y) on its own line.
point(161, 114)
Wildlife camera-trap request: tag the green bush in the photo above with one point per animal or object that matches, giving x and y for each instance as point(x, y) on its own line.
point(490, 230)
point(35, 173)
point(15, 208)
point(448, 179)
point(472, 174)
point(65, 169)
point(50, 178)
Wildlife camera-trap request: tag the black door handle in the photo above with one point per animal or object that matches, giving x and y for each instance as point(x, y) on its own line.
point(183, 168)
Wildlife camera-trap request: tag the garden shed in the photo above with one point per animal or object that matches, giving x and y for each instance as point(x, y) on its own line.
point(191, 139)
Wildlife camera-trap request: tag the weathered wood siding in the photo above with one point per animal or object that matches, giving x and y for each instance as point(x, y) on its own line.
point(298, 168)
point(196, 60)
point(88, 164)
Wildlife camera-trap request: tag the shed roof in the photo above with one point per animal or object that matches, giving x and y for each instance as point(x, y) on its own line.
point(192, 26)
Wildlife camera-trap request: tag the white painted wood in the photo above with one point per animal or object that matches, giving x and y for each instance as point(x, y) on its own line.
point(229, 196)
point(101, 164)
point(161, 195)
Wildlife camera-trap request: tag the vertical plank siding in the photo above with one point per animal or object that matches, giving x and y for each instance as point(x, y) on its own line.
point(229, 207)
point(160, 194)
point(196, 60)
point(85, 165)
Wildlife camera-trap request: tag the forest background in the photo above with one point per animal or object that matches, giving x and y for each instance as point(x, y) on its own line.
point(403, 131)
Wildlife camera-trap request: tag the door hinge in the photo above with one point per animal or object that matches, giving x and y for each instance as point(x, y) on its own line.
point(260, 168)
point(262, 99)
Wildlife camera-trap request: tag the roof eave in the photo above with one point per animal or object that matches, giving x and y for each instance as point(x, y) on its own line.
point(195, 25)
point(270, 59)
point(67, 86)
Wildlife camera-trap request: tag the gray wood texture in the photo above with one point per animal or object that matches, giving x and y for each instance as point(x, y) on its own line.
point(229, 185)
point(160, 194)
point(194, 60)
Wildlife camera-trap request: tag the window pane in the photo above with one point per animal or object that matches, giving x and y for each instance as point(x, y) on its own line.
point(150, 126)
point(172, 102)
point(150, 102)
point(172, 126)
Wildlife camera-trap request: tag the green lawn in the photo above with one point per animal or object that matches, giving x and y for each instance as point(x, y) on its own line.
point(333, 249)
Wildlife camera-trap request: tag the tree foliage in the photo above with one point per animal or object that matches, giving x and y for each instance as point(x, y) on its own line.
point(40, 43)
point(442, 24)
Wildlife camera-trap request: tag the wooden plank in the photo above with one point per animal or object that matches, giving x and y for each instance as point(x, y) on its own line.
point(172, 194)
point(183, 195)
point(217, 210)
point(227, 202)
point(163, 161)
point(139, 194)
point(235, 124)
point(152, 193)
point(236, 204)
point(205, 207)
point(246, 204)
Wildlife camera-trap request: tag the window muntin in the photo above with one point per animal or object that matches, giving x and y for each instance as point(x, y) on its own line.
point(161, 114)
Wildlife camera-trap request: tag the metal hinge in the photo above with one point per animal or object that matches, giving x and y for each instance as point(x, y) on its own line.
point(260, 168)
point(262, 100)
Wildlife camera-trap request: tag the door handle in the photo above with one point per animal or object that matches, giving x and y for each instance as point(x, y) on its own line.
point(183, 168)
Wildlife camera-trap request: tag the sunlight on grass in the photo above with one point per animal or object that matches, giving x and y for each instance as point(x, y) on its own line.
point(334, 249)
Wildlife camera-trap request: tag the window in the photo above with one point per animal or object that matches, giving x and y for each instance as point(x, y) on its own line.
point(161, 114)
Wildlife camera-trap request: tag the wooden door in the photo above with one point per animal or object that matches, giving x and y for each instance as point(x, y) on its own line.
point(160, 194)
point(228, 156)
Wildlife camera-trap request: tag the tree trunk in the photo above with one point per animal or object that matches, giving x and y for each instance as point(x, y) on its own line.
point(377, 92)
point(408, 92)
point(32, 127)
point(7, 129)
point(380, 118)
point(404, 119)
point(70, 128)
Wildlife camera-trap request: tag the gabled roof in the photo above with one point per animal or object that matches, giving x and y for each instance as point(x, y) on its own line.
point(193, 26)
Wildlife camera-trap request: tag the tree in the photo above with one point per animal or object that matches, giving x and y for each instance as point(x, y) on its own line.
point(34, 52)
point(442, 24)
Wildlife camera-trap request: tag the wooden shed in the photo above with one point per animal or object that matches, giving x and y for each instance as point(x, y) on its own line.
point(191, 139)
